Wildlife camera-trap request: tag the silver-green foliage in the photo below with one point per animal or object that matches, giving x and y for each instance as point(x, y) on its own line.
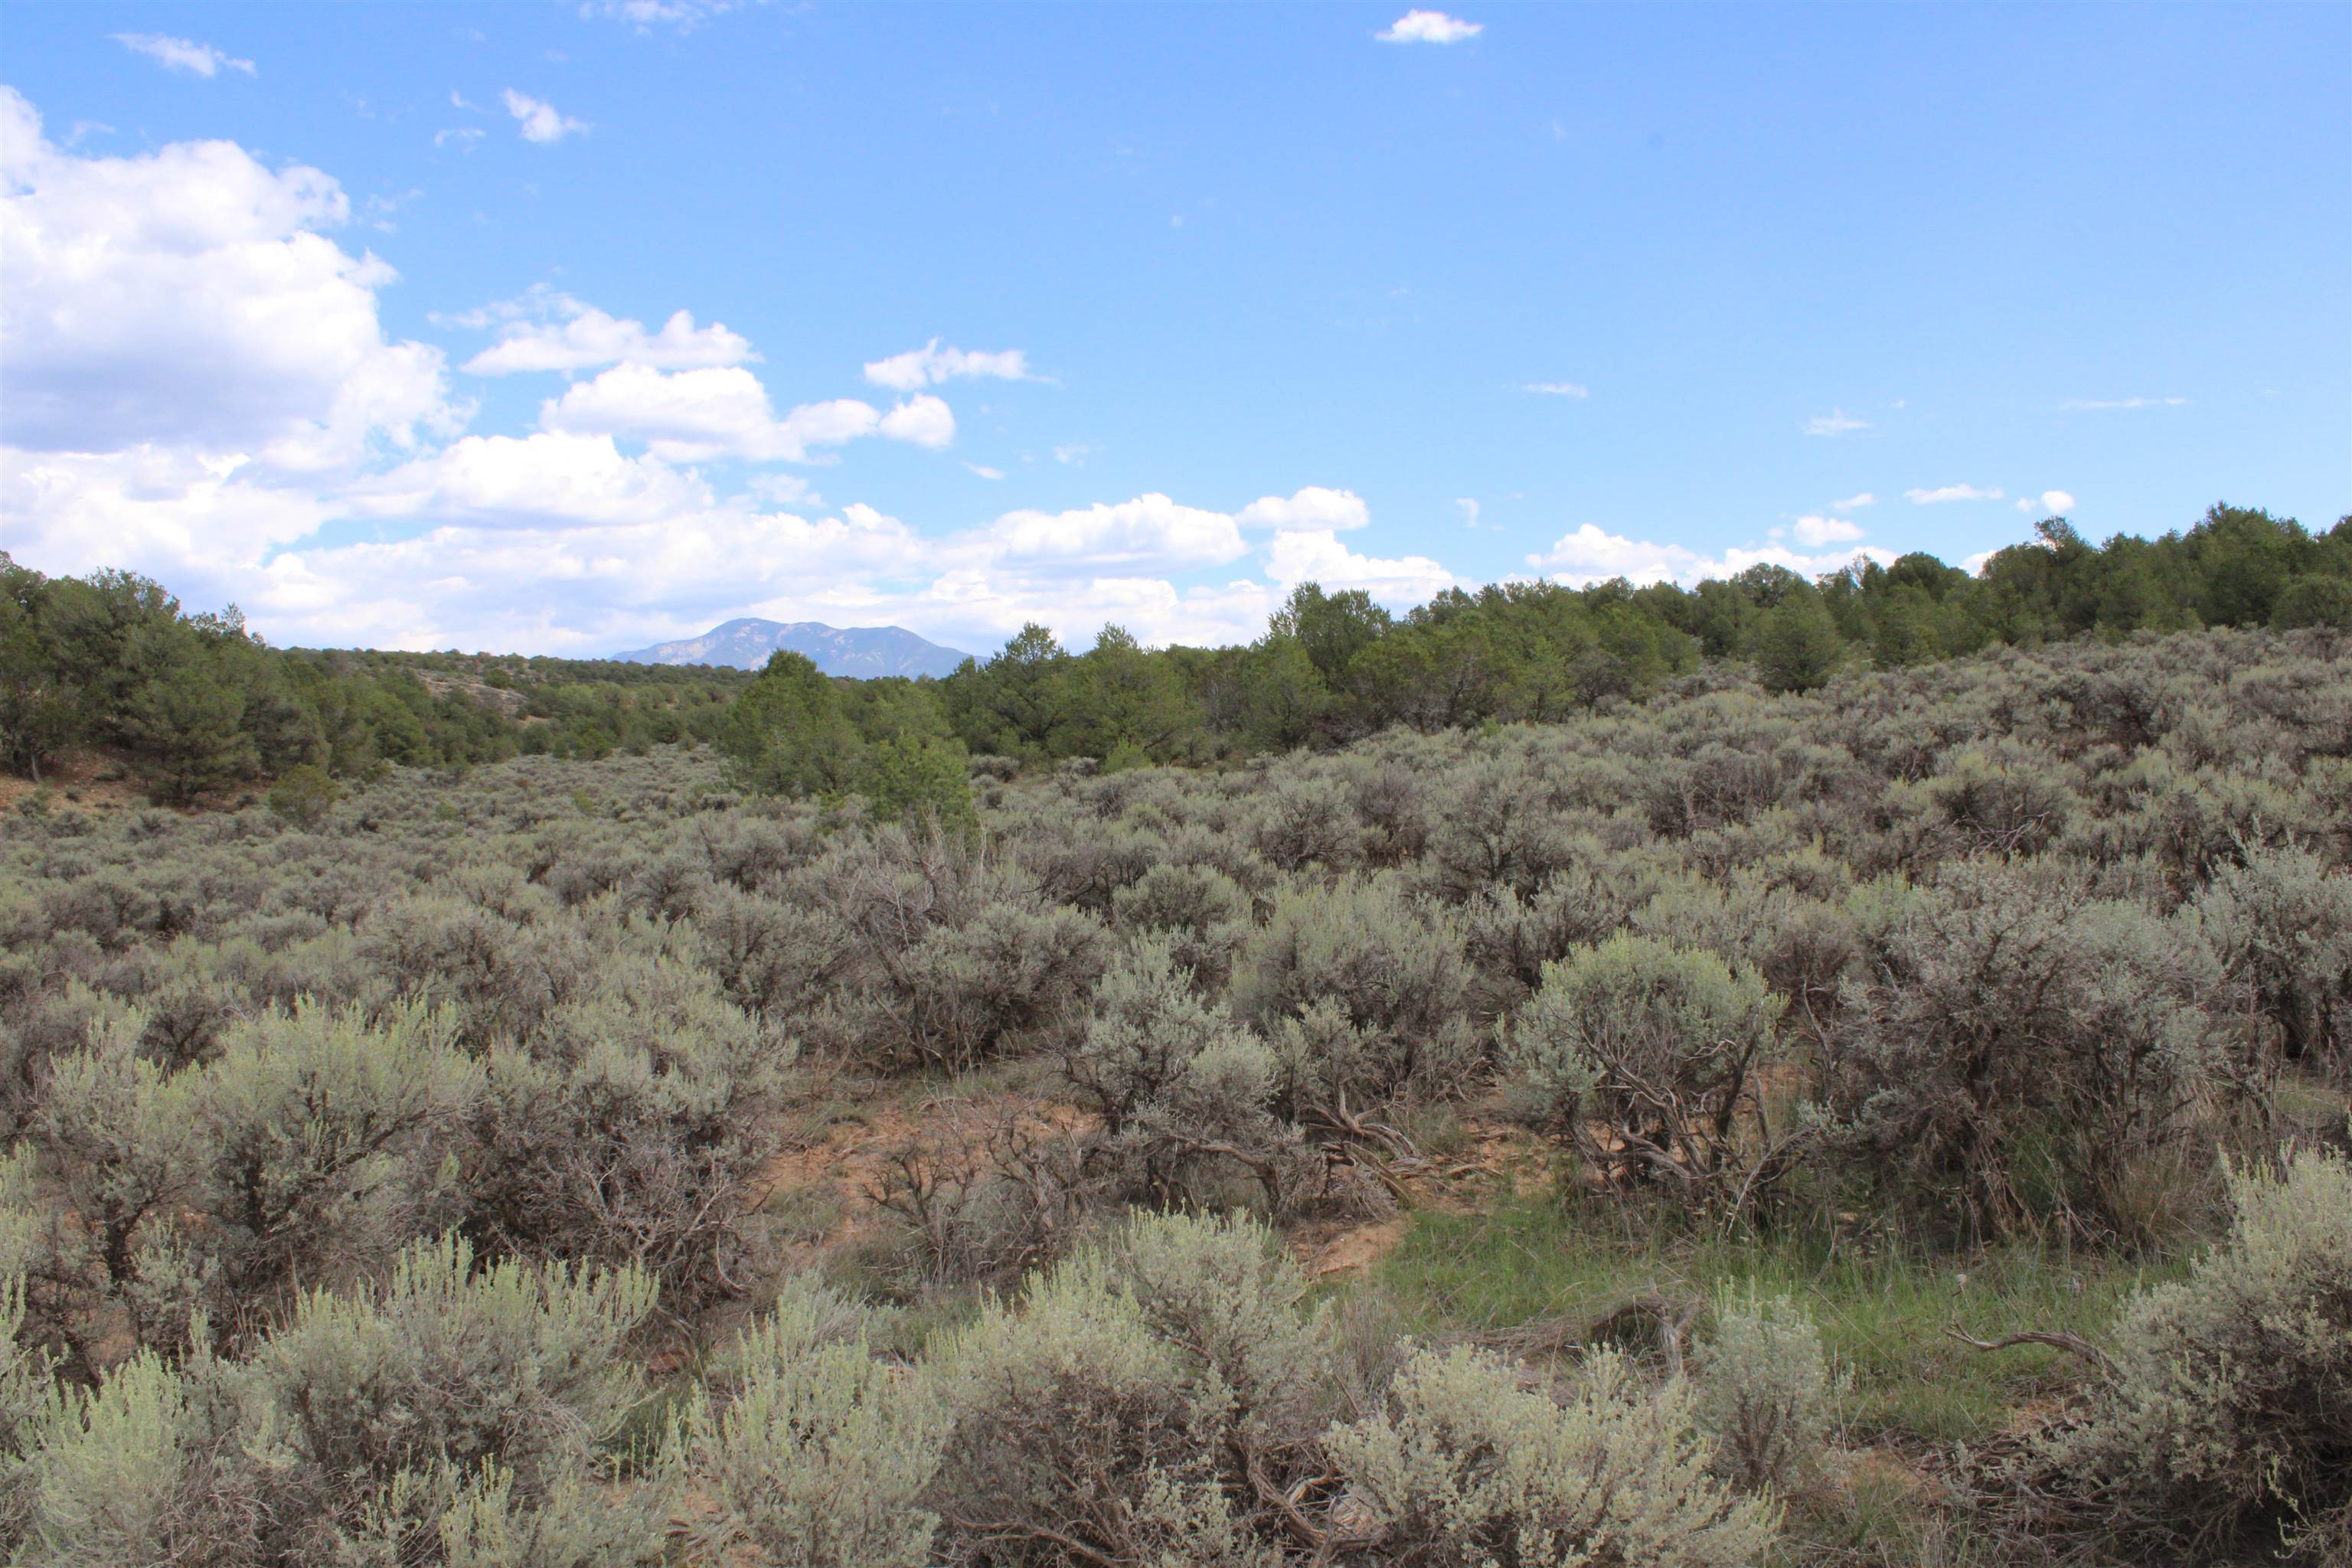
point(2229, 1409)
point(450, 1410)
point(818, 1454)
point(1640, 1053)
point(1766, 1391)
point(1391, 967)
point(2280, 924)
point(1465, 1467)
point(1125, 1409)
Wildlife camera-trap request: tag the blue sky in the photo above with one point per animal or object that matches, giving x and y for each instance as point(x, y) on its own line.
point(361, 316)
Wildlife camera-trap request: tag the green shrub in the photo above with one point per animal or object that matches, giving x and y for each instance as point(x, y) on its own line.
point(317, 1137)
point(630, 1130)
point(1640, 1054)
point(1465, 1467)
point(1767, 1392)
point(1203, 914)
point(1126, 1409)
point(1391, 967)
point(443, 1373)
point(787, 734)
point(303, 795)
point(920, 778)
point(2010, 1051)
point(2227, 1419)
point(131, 1471)
point(2281, 927)
point(818, 1454)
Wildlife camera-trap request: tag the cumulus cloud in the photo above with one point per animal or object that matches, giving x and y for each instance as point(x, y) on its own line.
point(540, 120)
point(984, 471)
point(1917, 496)
point(1428, 27)
point(1820, 531)
point(191, 297)
point(503, 481)
point(1592, 555)
point(1558, 389)
point(546, 331)
point(2103, 404)
point(724, 411)
point(257, 438)
point(182, 55)
point(1150, 532)
point(2049, 504)
point(1319, 556)
point(931, 364)
point(925, 420)
point(1864, 498)
point(1836, 422)
point(1311, 508)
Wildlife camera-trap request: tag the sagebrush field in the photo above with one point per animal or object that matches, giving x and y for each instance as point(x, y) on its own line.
point(1585, 1142)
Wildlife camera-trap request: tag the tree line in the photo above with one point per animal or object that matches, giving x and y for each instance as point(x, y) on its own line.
point(1333, 667)
point(194, 703)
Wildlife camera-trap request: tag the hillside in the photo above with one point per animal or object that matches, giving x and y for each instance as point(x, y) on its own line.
point(862, 652)
point(1787, 1042)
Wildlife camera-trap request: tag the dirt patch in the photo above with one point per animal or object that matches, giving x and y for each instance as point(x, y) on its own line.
point(74, 785)
point(1352, 1250)
point(821, 1185)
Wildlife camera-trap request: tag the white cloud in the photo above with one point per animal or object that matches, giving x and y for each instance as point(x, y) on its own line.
point(1076, 452)
point(1864, 498)
point(984, 471)
point(694, 416)
point(2050, 503)
point(1468, 507)
point(1592, 555)
point(2101, 405)
point(926, 421)
point(1836, 422)
point(1558, 389)
point(723, 411)
point(645, 15)
point(462, 136)
point(1820, 531)
point(1150, 532)
point(1319, 556)
point(931, 364)
point(1428, 27)
point(511, 481)
point(199, 388)
point(540, 120)
point(1311, 508)
point(547, 331)
point(1951, 493)
point(189, 298)
point(180, 55)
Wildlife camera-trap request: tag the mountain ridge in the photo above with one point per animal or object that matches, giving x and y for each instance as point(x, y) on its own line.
point(864, 652)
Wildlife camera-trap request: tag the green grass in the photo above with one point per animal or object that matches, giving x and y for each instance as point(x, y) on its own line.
point(1883, 1316)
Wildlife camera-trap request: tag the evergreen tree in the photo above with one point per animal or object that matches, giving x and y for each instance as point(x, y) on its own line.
point(788, 735)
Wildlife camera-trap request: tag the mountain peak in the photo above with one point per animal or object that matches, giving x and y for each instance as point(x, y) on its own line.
point(745, 643)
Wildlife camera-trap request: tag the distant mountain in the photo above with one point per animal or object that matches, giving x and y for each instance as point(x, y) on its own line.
point(864, 651)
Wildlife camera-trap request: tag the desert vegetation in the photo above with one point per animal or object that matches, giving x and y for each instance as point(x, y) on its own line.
point(1780, 1073)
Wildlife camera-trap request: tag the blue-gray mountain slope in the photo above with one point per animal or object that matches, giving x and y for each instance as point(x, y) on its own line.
point(864, 651)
